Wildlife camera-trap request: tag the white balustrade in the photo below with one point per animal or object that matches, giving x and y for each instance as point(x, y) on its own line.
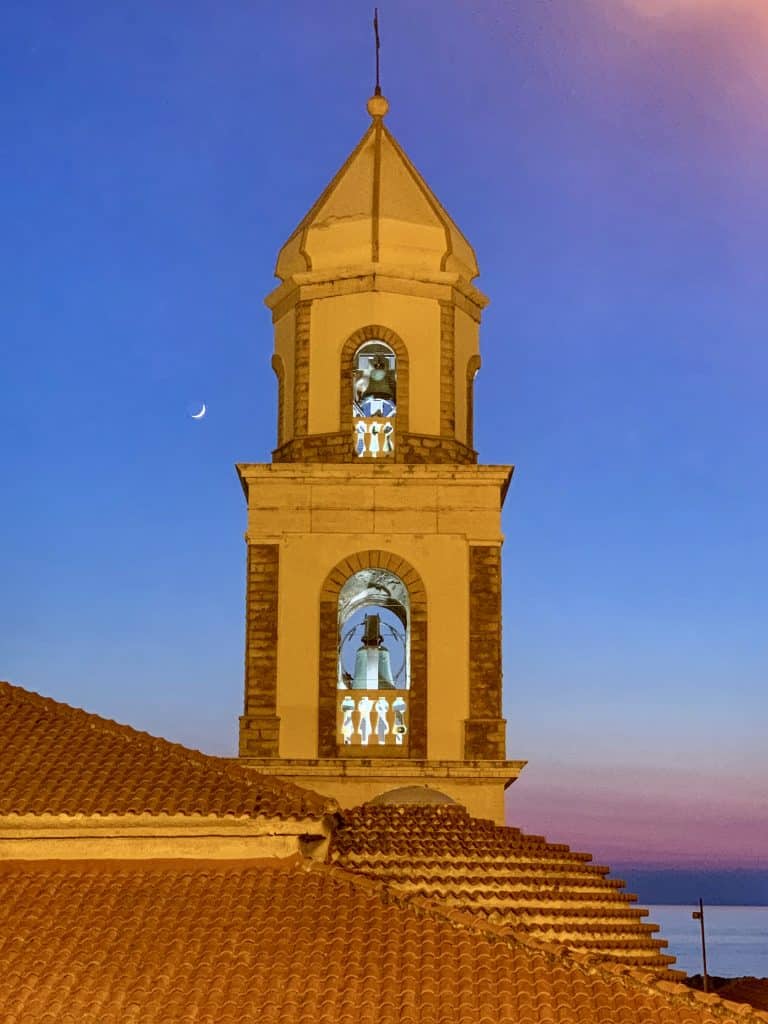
point(374, 437)
point(375, 718)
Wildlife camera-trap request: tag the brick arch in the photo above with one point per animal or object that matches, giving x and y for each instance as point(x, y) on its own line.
point(473, 366)
point(279, 367)
point(351, 345)
point(328, 638)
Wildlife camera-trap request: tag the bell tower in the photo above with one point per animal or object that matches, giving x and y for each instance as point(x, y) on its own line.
point(373, 618)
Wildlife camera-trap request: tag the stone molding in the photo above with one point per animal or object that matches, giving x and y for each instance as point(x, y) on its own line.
point(146, 836)
point(253, 473)
point(328, 644)
point(376, 277)
point(478, 785)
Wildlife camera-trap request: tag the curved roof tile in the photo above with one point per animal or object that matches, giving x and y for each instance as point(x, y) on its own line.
point(56, 759)
point(237, 943)
point(518, 881)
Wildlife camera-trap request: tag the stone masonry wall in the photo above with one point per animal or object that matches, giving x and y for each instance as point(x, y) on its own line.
point(484, 734)
point(260, 726)
point(409, 448)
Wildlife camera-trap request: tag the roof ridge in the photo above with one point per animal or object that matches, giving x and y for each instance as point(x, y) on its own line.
point(587, 964)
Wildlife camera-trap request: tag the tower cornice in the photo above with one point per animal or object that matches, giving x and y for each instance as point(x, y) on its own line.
point(376, 277)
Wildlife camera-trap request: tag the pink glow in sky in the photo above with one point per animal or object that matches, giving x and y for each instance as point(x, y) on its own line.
point(639, 816)
point(733, 32)
point(687, 8)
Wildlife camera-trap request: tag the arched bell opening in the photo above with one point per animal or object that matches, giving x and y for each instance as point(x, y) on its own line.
point(373, 392)
point(374, 662)
point(373, 659)
point(374, 632)
point(374, 399)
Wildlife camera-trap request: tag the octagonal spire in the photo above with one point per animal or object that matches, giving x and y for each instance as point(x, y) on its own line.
point(378, 210)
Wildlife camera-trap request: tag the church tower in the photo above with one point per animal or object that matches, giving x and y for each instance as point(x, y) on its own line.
point(373, 619)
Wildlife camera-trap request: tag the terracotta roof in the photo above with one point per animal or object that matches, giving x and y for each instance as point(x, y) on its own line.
point(232, 943)
point(55, 759)
point(521, 882)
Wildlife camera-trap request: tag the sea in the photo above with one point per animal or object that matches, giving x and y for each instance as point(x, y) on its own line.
point(736, 939)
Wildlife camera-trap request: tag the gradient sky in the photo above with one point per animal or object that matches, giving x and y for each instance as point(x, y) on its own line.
point(608, 159)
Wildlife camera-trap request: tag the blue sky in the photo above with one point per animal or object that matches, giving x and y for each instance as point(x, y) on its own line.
point(608, 165)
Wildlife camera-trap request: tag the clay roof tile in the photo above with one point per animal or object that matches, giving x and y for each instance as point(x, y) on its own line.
point(55, 759)
point(544, 890)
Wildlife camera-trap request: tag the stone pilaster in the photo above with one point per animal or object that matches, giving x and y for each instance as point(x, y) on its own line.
point(447, 369)
point(301, 369)
point(328, 691)
point(260, 726)
point(484, 732)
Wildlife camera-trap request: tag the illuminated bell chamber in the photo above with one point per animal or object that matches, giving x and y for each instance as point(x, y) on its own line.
point(373, 670)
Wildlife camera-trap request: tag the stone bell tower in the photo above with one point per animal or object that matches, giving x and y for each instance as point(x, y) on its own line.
point(373, 632)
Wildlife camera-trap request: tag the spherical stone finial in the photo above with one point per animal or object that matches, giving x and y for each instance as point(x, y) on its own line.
point(377, 105)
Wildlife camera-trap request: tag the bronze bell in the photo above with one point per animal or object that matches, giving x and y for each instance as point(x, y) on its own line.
point(381, 380)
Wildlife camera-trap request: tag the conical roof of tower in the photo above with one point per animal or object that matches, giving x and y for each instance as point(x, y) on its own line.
point(378, 210)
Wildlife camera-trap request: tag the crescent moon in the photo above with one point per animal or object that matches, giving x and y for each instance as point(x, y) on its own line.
point(198, 415)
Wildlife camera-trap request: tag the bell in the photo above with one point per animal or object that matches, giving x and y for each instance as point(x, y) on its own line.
point(365, 668)
point(380, 382)
point(373, 670)
point(386, 682)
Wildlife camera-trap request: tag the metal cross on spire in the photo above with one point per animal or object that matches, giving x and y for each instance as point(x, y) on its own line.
point(377, 90)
